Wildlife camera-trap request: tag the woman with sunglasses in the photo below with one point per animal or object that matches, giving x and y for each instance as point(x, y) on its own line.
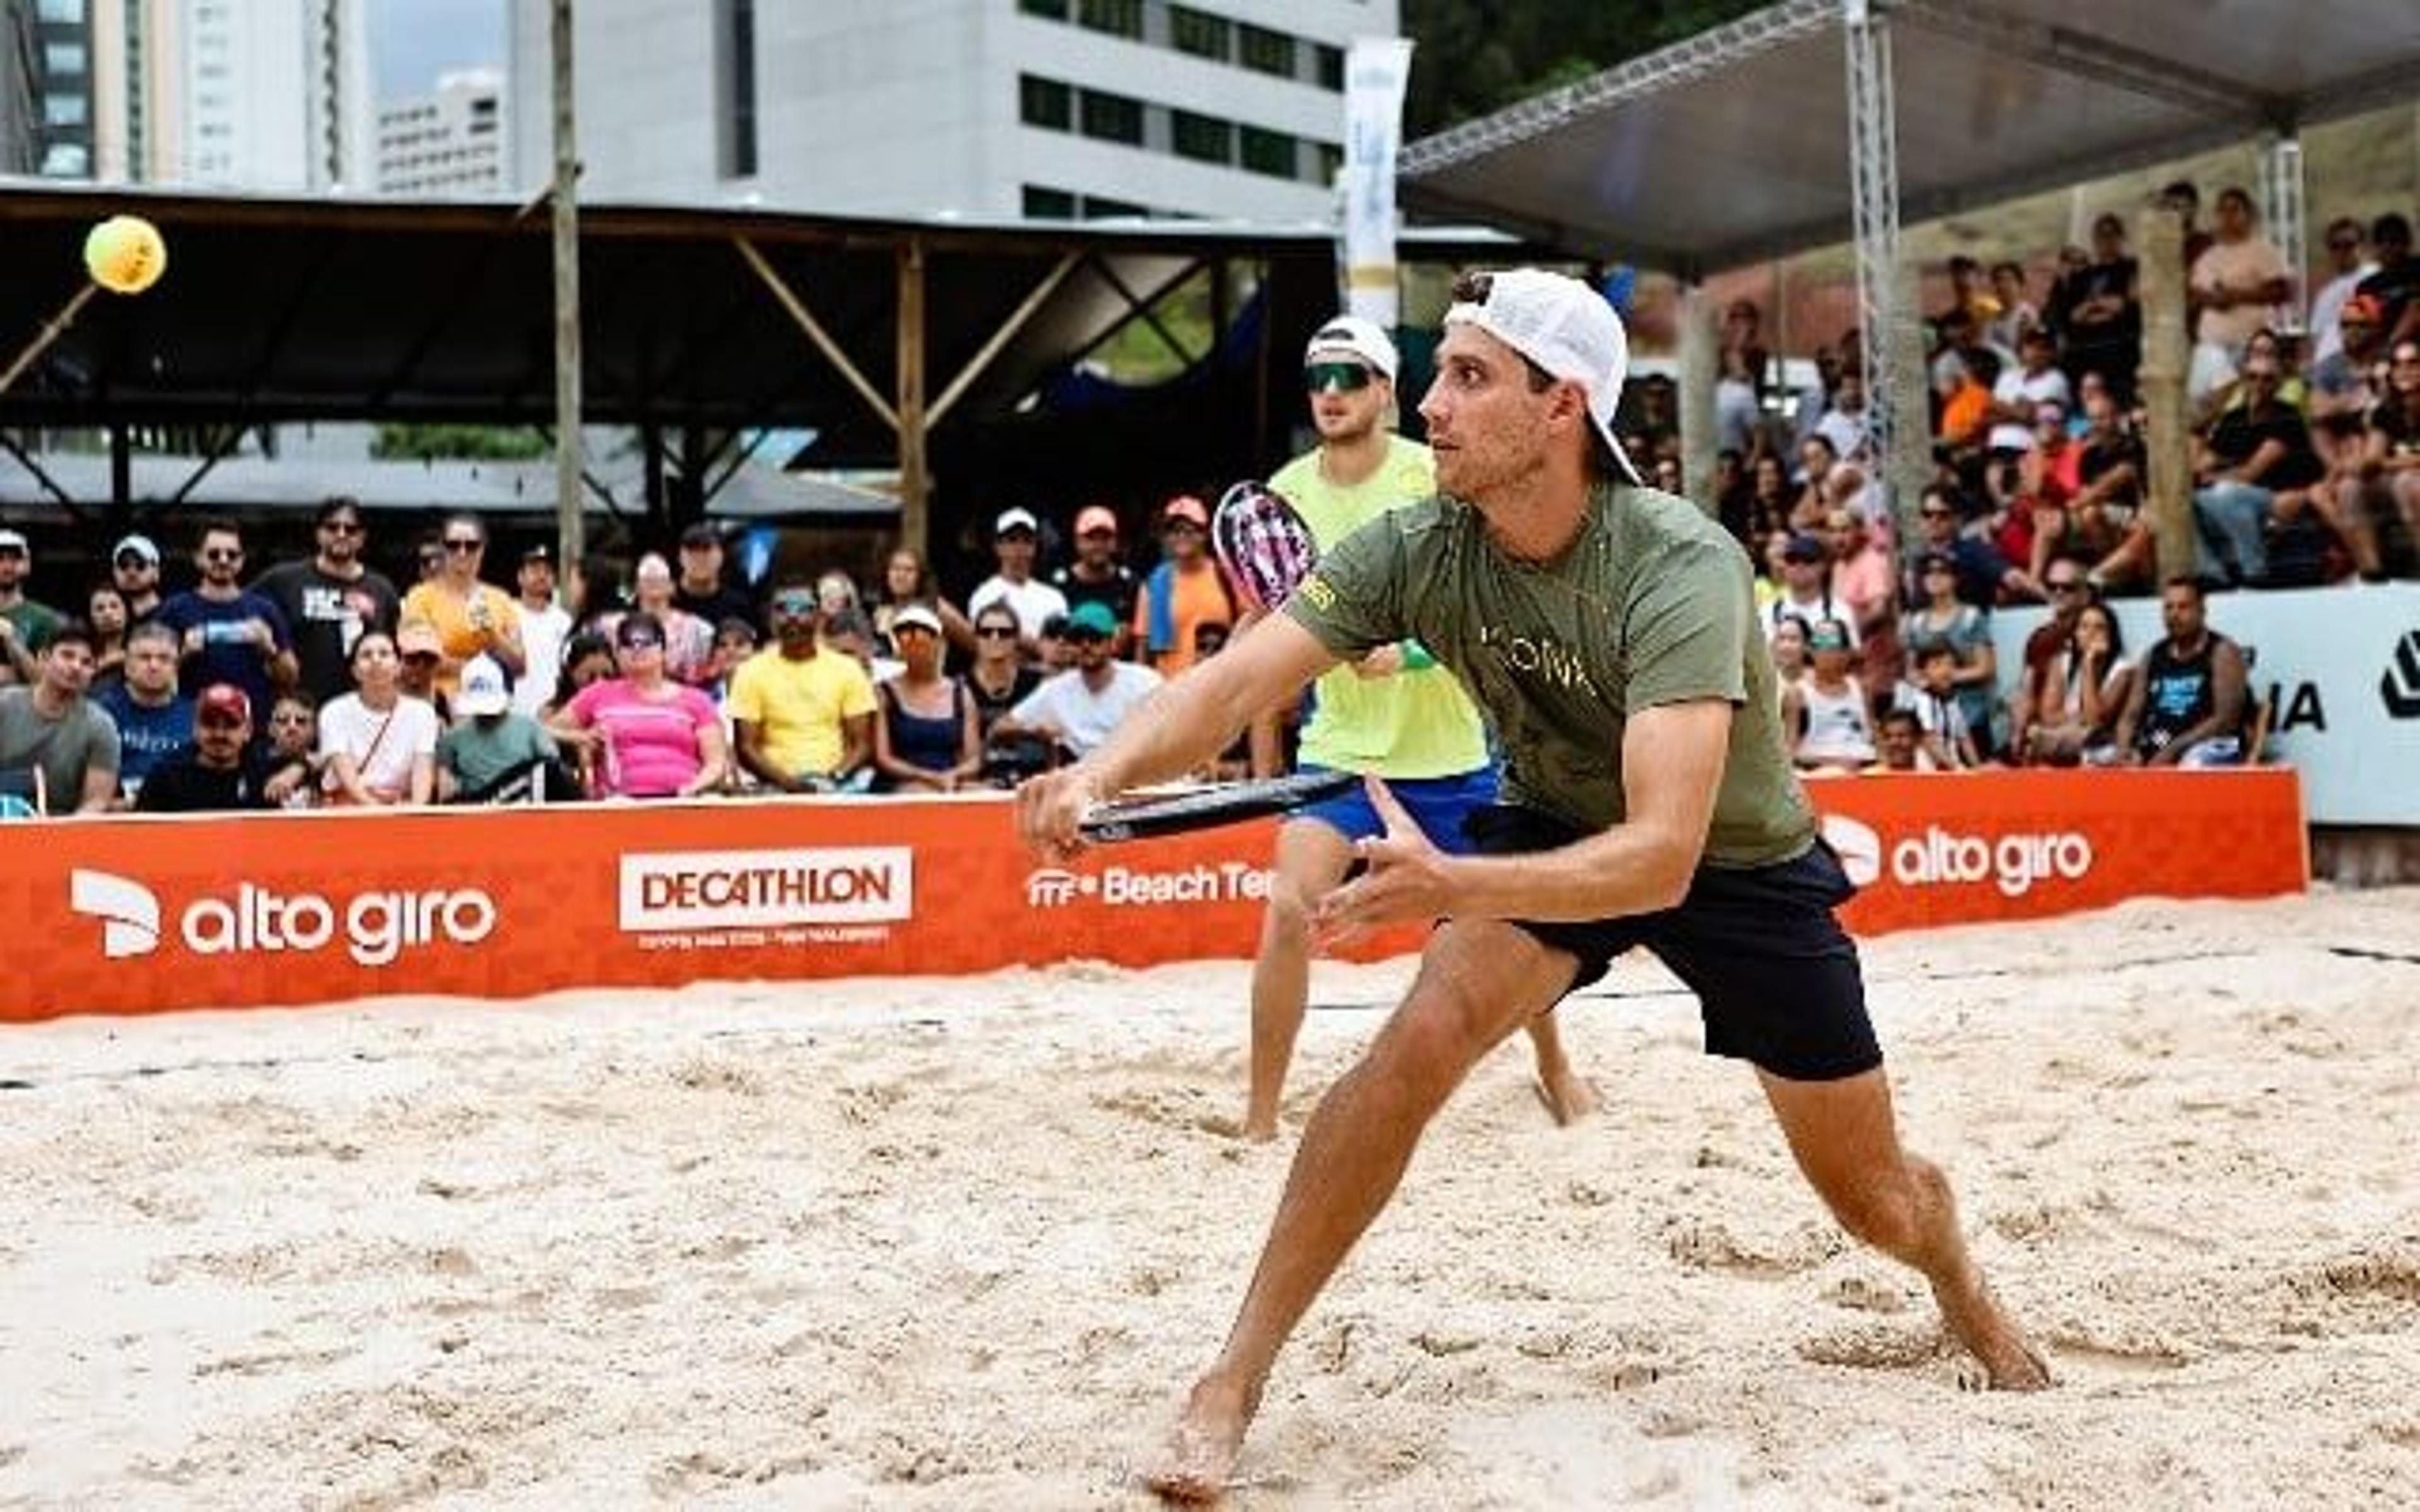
point(645, 735)
point(2382, 497)
point(998, 682)
point(928, 736)
point(377, 744)
point(472, 618)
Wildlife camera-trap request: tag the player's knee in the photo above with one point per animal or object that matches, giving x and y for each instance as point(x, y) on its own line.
point(1288, 910)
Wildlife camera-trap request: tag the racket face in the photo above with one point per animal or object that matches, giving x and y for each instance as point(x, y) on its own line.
point(1263, 544)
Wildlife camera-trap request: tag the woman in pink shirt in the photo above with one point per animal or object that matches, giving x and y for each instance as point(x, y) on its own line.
point(647, 736)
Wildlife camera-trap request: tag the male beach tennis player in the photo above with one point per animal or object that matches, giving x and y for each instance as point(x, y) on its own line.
point(1393, 713)
point(1609, 632)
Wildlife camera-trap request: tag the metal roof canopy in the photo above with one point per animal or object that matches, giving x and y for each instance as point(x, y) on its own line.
point(1735, 144)
point(290, 309)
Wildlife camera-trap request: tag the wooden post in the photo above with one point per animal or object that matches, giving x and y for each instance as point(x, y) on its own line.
point(915, 524)
point(1699, 369)
point(570, 543)
point(2160, 285)
point(1908, 469)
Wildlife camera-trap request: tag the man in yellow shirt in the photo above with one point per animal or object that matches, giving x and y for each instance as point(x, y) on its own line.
point(804, 717)
point(1394, 714)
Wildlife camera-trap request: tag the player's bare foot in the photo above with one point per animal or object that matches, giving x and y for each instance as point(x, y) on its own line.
point(1258, 1131)
point(2009, 1361)
point(1197, 1465)
point(1568, 1096)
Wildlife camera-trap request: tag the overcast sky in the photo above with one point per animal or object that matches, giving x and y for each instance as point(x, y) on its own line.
point(413, 41)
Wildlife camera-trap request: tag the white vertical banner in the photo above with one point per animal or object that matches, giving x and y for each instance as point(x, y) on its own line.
point(1375, 69)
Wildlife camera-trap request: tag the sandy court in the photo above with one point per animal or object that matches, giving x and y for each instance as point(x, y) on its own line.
point(957, 1242)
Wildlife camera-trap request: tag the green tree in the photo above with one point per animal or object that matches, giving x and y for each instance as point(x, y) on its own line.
point(458, 443)
point(1475, 56)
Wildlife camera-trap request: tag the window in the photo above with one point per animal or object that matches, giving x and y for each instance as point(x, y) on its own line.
point(63, 110)
point(1050, 10)
point(1330, 62)
point(68, 11)
point(736, 49)
point(1268, 52)
point(1268, 152)
point(1097, 208)
point(63, 58)
point(1045, 103)
point(1048, 203)
point(1119, 18)
point(1204, 138)
point(1112, 117)
point(67, 160)
point(1331, 160)
point(1201, 34)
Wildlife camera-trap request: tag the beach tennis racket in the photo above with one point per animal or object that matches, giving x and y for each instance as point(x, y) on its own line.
point(1173, 811)
point(1263, 544)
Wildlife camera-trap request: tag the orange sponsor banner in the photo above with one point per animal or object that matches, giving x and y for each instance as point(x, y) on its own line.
point(131, 914)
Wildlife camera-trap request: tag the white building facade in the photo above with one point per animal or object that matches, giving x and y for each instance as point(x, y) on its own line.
point(453, 141)
point(983, 108)
point(243, 94)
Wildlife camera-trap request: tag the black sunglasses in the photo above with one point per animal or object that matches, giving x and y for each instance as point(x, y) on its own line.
point(1341, 377)
point(126, 559)
point(341, 527)
point(463, 545)
point(223, 554)
point(996, 632)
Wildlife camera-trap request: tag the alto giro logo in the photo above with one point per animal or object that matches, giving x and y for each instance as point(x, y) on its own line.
point(2015, 864)
point(374, 928)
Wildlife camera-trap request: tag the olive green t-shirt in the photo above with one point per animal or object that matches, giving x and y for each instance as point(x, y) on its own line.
point(1652, 604)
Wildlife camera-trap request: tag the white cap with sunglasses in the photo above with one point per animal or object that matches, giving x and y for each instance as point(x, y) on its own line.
point(1568, 330)
point(1349, 338)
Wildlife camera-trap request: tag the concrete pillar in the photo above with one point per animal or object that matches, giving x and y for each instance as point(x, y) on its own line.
point(2167, 356)
point(1908, 469)
point(1700, 368)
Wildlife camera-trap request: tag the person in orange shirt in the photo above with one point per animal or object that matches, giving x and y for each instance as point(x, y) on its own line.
point(1965, 403)
point(471, 618)
point(1184, 592)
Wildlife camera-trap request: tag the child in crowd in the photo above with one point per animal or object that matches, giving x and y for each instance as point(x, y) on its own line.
point(1932, 696)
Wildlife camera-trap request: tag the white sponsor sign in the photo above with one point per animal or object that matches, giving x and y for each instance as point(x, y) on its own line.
point(1375, 69)
point(374, 928)
point(2340, 670)
point(667, 890)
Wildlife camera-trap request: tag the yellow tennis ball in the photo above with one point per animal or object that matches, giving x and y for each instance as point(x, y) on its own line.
point(125, 255)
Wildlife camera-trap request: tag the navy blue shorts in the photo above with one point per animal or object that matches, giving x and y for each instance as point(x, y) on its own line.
point(1775, 976)
point(1441, 806)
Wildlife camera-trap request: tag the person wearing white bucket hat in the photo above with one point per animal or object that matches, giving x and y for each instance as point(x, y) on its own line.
point(1608, 631)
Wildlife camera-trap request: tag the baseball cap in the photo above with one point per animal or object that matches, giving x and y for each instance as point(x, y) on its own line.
point(915, 614)
point(1831, 635)
point(1015, 520)
point(652, 569)
point(142, 546)
point(1094, 518)
point(225, 700)
point(418, 635)
point(1804, 546)
point(1567, 329)
point(1350, 335)
point(539, 551)
point(483, 688)
point(2050, 412)
point(2361, 309)
point(1091, 617)
point(1936, 561)
point(700, 534)
point(1186, 507)
point(14, 541)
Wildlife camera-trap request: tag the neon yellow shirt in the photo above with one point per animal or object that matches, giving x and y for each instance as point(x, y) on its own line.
point(804, 705)
point(1415, 724)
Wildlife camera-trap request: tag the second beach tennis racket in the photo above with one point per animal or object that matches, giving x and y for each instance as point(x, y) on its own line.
point(1176, 811)
point(1263, 543)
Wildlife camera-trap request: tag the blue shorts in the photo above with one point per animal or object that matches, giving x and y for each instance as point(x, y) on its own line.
point(1441, 806)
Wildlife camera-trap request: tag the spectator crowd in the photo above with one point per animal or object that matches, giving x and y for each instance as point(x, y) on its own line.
point(2307, 472)
point(316, 683)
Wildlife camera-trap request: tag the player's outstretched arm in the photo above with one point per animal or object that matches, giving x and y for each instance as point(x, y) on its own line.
point(1188, 721)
